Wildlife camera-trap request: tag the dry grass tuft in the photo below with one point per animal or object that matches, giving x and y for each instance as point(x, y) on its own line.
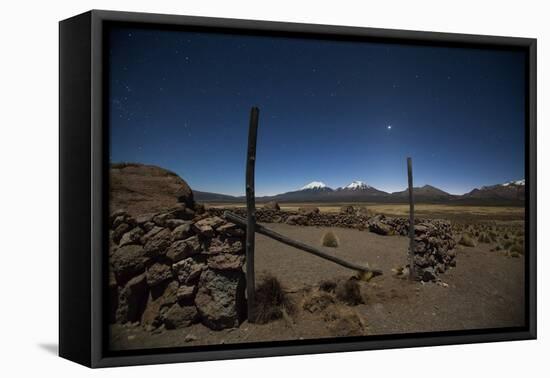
point(517, 248)
point(272, 302)
point(327, 285)
point(349, 292)
point(318, 301)
point(330, 239)
point(344, 321)
point(466, 240)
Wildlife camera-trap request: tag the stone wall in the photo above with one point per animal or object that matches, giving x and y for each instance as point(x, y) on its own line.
point(434, 242)
point(176, 268)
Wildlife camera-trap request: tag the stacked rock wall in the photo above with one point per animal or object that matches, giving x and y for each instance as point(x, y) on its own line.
point(434, 249)
point(176, 268)
point(434, 242)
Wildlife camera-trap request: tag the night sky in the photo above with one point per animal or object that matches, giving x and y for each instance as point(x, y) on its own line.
point(330, 111)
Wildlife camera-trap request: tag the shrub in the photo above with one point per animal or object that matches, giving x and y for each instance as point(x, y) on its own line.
point(466, 240)
point(349, 292)
point(330, 240)
point(483, 238)
point(272, 302)
point(517, 248)
point(327, 285)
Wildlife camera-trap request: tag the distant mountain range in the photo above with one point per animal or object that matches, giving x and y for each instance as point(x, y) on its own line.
point(509, 193)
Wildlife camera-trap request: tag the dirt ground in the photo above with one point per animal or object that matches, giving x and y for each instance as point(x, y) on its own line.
point(485, 290)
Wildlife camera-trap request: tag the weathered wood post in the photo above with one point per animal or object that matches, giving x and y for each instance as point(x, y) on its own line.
point(251, 213)
point(412, 270)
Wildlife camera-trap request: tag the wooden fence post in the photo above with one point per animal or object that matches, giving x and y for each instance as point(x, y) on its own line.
point(412, 269)
point(251, 214)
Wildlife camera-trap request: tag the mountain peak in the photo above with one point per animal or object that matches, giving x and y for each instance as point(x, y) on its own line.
point(314, 185)
point(516, 183)
point(355, 185)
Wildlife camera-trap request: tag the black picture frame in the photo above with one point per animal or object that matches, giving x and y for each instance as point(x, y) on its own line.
point(83, 195)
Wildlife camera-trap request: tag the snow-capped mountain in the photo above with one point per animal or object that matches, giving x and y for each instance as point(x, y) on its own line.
point(314, 185)
point(508, 191)
point(355, 185)
point(517, 183)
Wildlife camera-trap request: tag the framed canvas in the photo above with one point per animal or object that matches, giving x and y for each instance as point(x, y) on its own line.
point(234, 188)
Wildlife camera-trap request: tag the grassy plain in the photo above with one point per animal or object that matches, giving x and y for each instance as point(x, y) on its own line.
point(461, 213)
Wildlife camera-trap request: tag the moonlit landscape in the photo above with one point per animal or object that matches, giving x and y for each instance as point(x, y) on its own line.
point(338, 252)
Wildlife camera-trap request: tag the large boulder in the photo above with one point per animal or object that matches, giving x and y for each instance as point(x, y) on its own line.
point(131, 237)
point(181, 249)
point(132, 300)
point(179, 316)
point(157, 274)
point(157, 244)
point(379, 228)
point(128, 261)
point(159, 298)
point(220, 298)
point(146, 189)
point(188, 271)
point(225, 261)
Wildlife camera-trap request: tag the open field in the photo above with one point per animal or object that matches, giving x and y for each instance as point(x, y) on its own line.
point(457, 213)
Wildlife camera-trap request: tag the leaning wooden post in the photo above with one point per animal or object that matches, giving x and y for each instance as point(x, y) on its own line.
point(412, 270)
point(251, 213)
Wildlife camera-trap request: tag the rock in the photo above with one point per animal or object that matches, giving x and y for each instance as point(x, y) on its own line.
point(131, 237)
point(148, 226)
point(145, 218)
point(228, 245)
point(420, 229)
point(187, 271)
point(113, 297)
point(183, 231)
point(220, 298)
point(347, 209)
point(181, 249)
point(160, 219)
point(132, 300)
point(115, 214)
point(225, 261)
point(179, 316)
point(186, 293)
point(206, 226)
point(230, 229)
point(428, 274)
point(157, 274)
point(182, 213)
point(308, 210)
point(119, 231)
point(152, 232)
point(118, 221)
point(158, 244)
point(173, 223)
point(296, 220)
point(199, 208)
point(190, 338)
point(128, 261)
point(272, 205)
point(159, 297)
point(185, 195)
point(379, 228)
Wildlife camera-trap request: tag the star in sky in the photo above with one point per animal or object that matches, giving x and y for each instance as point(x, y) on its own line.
point(389, 127)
